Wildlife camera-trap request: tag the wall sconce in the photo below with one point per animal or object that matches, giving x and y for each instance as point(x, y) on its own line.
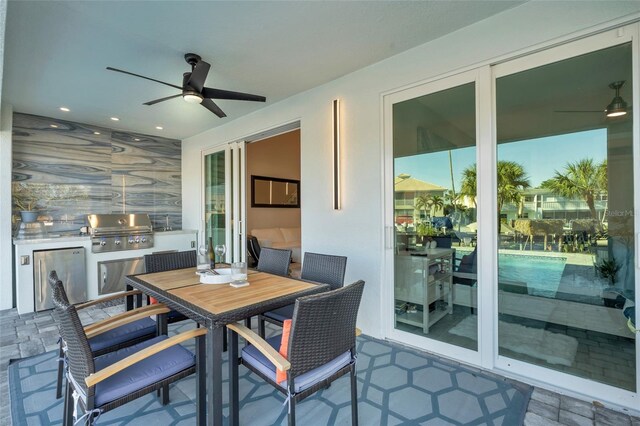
point(336, 154)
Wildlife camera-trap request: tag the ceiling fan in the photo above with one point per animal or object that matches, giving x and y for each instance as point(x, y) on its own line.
point(616, 108)
point(193, 90)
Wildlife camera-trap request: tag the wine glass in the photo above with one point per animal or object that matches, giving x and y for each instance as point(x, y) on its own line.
point(203, 251)
point(220, 250)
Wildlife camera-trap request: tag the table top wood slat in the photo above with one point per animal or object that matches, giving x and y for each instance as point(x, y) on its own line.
point(218, 299)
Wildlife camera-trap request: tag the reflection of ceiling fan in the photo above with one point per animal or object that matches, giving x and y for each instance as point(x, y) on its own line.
point(616, 108)
point(193, 90)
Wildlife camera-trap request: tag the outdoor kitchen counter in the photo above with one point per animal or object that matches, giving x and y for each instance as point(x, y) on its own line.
point(167, 240)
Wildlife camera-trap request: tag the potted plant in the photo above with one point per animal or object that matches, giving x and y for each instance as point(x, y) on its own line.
point(426, 232)
point(608, 269)
point(25, 199)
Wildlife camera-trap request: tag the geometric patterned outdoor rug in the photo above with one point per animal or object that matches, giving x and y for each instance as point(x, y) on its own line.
point(396, 385)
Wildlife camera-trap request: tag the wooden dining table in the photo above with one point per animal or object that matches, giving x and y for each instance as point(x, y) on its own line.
point(216, 305)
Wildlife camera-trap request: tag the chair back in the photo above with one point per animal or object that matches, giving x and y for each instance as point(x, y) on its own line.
point(323, 327)
point(324, 268)
point(161, 262)
point(79, 355)
point(274, 261)
point(253, 247)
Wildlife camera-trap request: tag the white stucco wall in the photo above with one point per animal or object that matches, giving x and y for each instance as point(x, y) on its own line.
point(357, 230)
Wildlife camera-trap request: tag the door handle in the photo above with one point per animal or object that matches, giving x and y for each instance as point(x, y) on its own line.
point(39, 280)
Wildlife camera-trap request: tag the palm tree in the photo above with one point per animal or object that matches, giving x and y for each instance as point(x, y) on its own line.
point(512, 181)
point(469, 184)
point(437, 202)
point(423, 202)
point(583, 178)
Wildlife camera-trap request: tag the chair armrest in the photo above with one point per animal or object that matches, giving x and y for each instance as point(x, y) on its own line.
point(266, 349)
point(124, 318)
point(114, 368)
point(106, 299)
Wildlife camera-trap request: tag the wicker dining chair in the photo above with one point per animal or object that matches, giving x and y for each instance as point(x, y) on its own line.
point(137, 328)
point(321, 348)
point(160, 262)
point(100, 384)
point(274, 261)
point(321, 268)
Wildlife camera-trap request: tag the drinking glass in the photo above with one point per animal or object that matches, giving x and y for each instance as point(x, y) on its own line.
point(239, 272)
point(220, 250)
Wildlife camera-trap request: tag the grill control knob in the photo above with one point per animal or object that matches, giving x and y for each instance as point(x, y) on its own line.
point(143, 240)
point(117, 242)
point(130, 240)
point(137, 240)
point(103, 243)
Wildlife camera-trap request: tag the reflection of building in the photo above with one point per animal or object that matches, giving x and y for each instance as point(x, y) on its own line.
point(407, 189)
point(540, 203)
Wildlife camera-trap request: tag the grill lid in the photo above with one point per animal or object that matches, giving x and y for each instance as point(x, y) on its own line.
point(118, 224)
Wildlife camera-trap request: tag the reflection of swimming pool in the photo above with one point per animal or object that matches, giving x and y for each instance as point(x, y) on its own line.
point(541, 273)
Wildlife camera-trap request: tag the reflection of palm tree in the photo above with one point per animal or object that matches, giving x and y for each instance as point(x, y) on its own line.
point(423, 202)
point(436, 203)
point(583, 179)
point(469, 180)
point(512, 180)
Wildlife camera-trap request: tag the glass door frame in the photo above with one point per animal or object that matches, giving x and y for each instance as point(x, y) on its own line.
point(479, 78)
point(610, 38)
point(235, 199)
point(486, 155)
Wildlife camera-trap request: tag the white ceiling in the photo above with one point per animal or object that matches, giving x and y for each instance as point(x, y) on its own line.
point(56, 52)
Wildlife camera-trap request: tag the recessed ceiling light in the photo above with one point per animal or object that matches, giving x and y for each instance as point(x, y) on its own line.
point(65, 109)
point(115, 118)
point(159, 127)
point(96, 133)
point(136, 139)
point(55, 126)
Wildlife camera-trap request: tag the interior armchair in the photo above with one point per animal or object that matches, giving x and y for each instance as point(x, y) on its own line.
point(111, 380)
point(319, 347)
point(109, 335)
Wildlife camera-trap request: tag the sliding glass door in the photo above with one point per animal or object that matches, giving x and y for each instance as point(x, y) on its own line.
point(565, 195)
point(224, 201)
point(434, 211)
point(511, 200)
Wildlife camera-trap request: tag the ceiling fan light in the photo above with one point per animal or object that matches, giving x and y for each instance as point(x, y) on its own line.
point(192, 97)
point(617, 107)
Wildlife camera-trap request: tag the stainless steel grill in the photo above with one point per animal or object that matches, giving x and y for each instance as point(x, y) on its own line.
point(116, 232)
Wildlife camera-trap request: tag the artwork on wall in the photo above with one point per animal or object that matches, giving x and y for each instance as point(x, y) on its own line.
point(274, 192)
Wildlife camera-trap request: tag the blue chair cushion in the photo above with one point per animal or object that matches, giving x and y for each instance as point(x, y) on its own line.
point(122, 334)
point(255, 358)
point(142, 374)
point(281, 314)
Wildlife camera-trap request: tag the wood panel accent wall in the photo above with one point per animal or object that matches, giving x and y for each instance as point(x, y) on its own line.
point(78, 169)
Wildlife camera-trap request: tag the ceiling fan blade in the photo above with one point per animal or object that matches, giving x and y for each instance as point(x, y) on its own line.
point(199, 75)
point(208, 92)
point(211, 106)
point(570, 111)
point(146, 78)
point(162, 99)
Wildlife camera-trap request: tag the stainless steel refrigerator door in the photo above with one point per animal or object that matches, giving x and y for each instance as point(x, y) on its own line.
point(111, 273)
point(71, 269)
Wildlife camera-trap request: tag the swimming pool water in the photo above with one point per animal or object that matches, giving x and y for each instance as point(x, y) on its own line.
point(541, 273)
